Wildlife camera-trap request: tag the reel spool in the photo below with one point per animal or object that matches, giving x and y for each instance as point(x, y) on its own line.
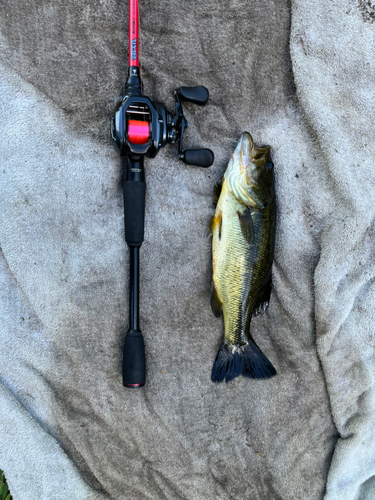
point(138, 131)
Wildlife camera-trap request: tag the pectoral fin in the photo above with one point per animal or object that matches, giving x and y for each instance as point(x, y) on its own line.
point(246, 224)
point(215, 222)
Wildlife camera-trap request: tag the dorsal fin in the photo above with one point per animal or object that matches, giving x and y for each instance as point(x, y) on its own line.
point(216, 193)
point(216, 304)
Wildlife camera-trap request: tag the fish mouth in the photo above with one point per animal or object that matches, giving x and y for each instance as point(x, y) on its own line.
point(247, 174)
point(249, 155)
point(242, 153)
point(245, 146)
point(246, 142)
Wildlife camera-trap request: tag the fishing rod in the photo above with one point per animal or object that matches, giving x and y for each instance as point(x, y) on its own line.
point(140, 128)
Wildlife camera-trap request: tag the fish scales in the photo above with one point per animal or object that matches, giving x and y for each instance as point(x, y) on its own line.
point(243, 229)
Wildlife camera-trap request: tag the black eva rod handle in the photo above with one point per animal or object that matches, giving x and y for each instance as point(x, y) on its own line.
point(199, 157)
point(198, 95)
point(134, 187)
point(134, 362)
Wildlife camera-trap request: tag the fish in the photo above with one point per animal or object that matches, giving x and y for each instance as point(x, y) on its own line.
point(243, 242)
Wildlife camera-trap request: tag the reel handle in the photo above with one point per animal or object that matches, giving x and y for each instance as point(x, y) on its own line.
point(199, 157)
point(197, 95)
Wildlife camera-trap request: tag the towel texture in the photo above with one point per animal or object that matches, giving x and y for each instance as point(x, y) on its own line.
point(298, 77)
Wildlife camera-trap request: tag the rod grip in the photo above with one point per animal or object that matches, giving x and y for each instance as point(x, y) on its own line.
point(134, 188)
point(134, 362)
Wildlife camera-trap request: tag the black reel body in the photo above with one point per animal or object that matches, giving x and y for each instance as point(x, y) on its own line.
point(131, 109)
point(141, 126)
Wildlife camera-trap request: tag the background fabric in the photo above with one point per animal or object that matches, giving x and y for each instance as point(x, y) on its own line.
point(298, 77)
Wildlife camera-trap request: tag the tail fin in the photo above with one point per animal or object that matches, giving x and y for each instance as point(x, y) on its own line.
point(246, 360)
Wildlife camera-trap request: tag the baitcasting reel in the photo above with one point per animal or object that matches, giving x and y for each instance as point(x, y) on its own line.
point(142, 126)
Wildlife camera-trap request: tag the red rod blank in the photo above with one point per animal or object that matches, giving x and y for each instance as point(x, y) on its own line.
point(133, 33)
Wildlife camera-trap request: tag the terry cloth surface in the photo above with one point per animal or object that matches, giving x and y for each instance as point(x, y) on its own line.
point(298, 77)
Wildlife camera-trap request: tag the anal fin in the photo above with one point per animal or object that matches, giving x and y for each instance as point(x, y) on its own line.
point(264, 297)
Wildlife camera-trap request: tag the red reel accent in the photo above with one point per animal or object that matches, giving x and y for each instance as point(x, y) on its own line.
point(138, 131)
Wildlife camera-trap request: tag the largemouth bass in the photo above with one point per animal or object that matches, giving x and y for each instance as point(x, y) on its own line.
point(243, 236)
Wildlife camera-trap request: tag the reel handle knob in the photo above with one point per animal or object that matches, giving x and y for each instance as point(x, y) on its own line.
point(199, 157)
point(197, 95)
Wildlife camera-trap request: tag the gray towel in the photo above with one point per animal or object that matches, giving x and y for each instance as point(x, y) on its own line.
point(298, 78)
